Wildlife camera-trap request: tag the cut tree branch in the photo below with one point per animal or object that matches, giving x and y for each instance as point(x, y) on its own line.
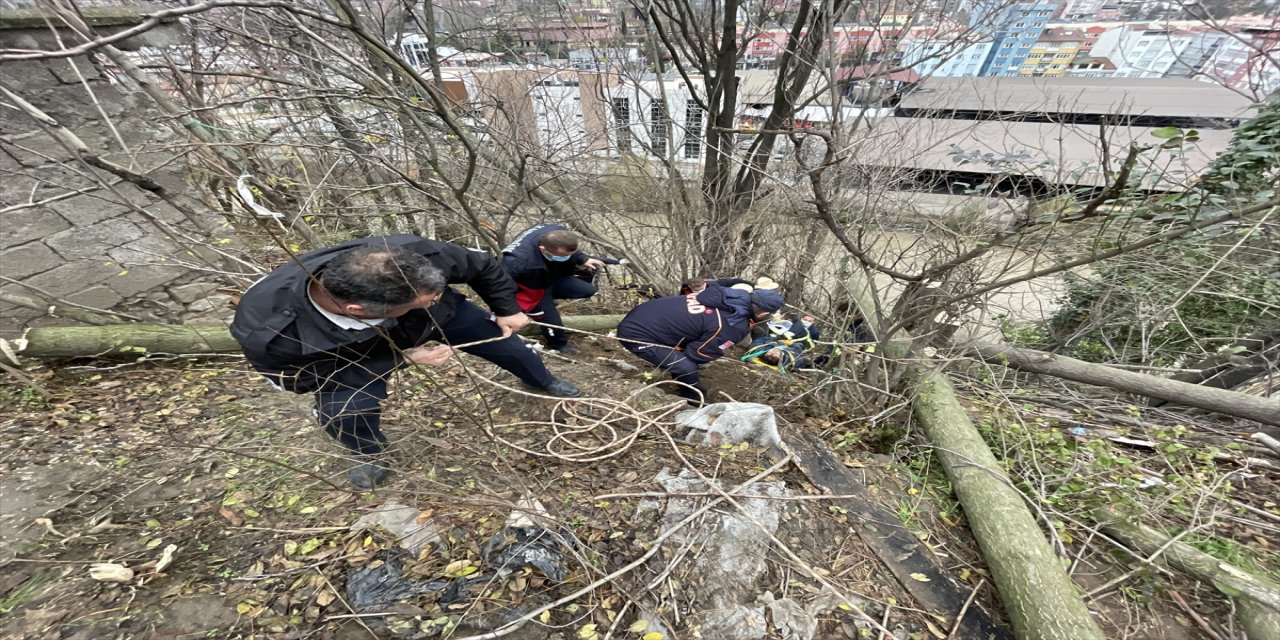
point(1232, 403)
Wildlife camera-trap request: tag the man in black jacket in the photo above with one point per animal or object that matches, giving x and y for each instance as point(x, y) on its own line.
point(545, 263)
point(681, 333)
point(338, 321)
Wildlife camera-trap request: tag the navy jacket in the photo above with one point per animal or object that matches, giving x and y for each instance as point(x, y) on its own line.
point(703, 325)
point(524, 262)
point(286, 338)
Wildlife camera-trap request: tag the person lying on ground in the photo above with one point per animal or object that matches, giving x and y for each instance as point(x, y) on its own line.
point(785, 343)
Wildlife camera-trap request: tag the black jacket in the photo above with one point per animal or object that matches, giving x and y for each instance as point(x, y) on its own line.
point(700, 324)
point(285, 337)
point(524, 262)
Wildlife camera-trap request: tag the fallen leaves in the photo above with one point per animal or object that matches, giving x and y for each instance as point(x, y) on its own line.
point(459, 569)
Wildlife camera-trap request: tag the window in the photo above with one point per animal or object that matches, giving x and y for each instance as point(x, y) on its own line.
point(658, 130)
point(692, 130)
point(622, 123)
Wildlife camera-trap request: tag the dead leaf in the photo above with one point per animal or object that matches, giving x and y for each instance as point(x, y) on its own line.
point(231, 516)
point(324, 598)
point(920, 577)
point(937, 633)
point(254, 570)
point(439, 443)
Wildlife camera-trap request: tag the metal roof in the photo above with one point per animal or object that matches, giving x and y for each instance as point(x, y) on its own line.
point(1057, 153)
point(1171, 97)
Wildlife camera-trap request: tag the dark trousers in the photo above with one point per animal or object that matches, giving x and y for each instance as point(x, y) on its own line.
point(353, 414)
point(675, 363)
point(573, 288)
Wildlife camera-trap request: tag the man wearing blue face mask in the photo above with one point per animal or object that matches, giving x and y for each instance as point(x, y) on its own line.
point(546, 265)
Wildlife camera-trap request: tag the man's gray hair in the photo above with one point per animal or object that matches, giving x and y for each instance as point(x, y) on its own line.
point(380, 278)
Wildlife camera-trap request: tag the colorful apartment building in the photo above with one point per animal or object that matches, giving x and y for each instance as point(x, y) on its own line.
point(1019, 27)
point(1052, 54)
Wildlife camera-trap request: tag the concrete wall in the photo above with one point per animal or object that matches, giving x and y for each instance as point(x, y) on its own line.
point(72, 233)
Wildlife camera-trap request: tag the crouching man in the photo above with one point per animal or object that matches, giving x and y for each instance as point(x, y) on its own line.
point(337, 322)
point(681, 333)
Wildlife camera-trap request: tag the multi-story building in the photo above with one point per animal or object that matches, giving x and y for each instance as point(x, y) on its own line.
point(1148, 51)
point(766, 46)
point(1052, 54)
point(1247, 62)
point(1080, 9)
point(1090, 67)
point(849, 45)
point(942, 59)
point(1019, 27)
point(597, 59)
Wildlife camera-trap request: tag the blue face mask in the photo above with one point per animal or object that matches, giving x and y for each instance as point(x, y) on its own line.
point(556, 258)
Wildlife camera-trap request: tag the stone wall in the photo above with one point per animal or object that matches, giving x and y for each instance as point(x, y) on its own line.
point(73, 233)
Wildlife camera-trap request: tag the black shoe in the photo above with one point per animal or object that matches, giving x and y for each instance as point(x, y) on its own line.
point(559, 388)
point(367, 475)
point(567, 350)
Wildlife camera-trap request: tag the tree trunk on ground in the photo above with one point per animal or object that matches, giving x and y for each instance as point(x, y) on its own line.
point(1040, 598)
point(1257, 599)
point(1247, 359)
point(140, 339)
point(1240, 405)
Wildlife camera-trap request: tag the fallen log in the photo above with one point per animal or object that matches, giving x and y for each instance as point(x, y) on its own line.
point(1232, 403)
point(133, 340)
point(1238, 364)
point(1040, 598)
point(1257, 599)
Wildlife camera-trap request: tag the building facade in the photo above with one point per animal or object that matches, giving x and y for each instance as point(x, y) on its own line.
point(1148, 51)
point(1053, 53)
point(1019, 27)
point(1247, 63)
point(936, 59)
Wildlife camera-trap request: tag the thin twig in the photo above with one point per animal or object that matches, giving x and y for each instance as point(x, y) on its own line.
point(1204, 626)
point(955, 626)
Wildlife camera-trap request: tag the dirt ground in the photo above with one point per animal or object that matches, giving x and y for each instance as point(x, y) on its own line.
point(116, 463)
